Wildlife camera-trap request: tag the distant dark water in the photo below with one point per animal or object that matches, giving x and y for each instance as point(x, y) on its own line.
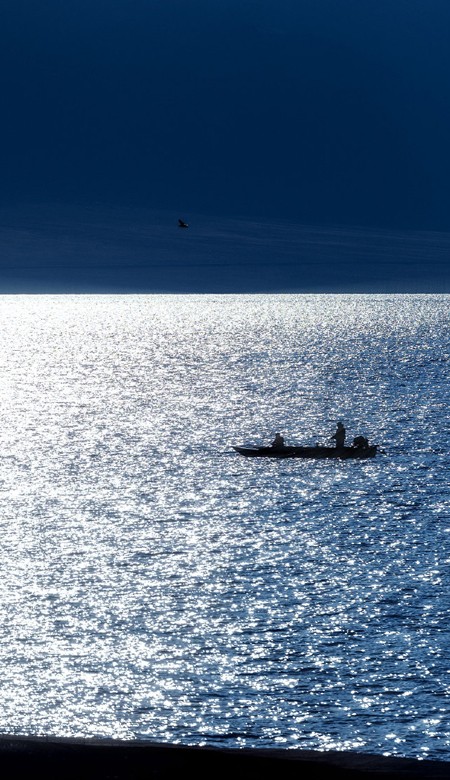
point(156, 585)
point(57, 249)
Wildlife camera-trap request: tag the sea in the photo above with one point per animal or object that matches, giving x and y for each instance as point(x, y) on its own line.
point(155, 585)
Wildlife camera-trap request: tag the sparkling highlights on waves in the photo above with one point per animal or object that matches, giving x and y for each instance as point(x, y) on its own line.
point(156, 585)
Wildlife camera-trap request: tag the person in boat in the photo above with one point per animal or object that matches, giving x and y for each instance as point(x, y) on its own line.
point(360, 442)
point(278, 441)
point(339, 436)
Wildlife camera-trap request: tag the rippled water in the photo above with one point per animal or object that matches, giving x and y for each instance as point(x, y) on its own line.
point(154, 584)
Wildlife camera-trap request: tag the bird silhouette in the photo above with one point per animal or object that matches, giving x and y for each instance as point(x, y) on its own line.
point(182, 224)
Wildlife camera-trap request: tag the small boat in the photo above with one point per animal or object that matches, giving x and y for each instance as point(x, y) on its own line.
point(319, 453)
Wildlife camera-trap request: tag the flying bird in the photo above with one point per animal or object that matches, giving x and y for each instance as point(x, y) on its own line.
point(182, 224)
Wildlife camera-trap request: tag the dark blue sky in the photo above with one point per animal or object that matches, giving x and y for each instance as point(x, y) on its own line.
point(316, 111)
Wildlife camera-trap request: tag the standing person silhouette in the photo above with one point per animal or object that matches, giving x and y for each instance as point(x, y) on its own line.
point(339, 436)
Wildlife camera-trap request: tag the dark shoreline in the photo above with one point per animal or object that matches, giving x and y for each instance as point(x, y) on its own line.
point(102, 758)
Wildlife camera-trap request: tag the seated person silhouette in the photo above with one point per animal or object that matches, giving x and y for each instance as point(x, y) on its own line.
point(278, 441)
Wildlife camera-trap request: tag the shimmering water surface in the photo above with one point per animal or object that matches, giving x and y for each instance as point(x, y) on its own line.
point(154, 584)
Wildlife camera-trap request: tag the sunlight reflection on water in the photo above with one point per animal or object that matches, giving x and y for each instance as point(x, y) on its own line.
point(156, 585)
